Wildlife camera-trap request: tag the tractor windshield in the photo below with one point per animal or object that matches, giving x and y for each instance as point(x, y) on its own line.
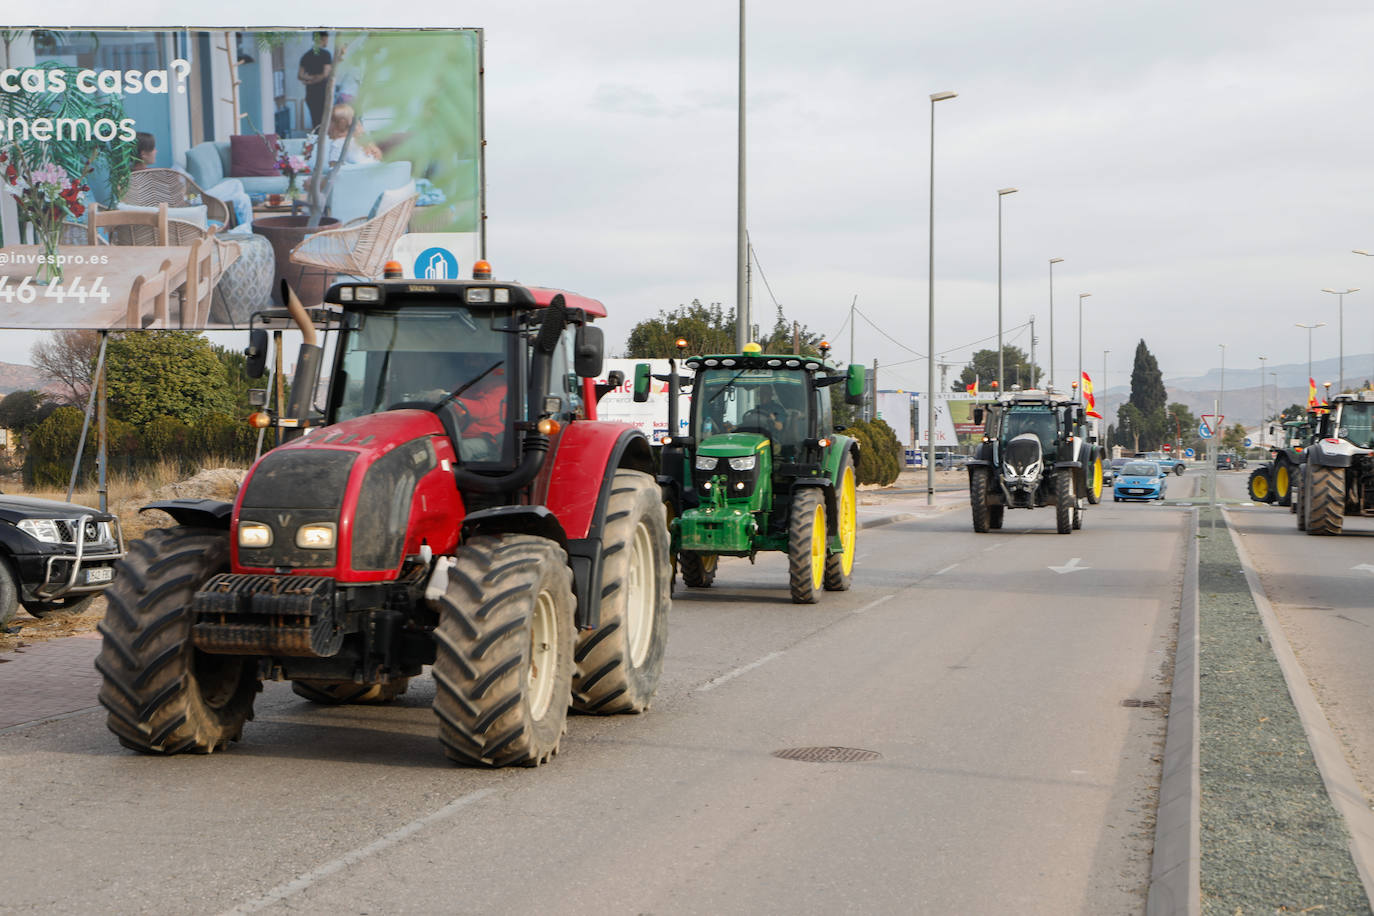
point(1355, 423)
point(1039, 422)
point(416, 357)
point(763, 401)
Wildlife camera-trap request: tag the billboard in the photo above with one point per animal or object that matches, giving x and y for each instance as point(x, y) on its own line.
point(651, 416)
point(275, 154)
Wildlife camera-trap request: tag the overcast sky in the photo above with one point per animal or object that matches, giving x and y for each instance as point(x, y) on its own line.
point(1204, 169)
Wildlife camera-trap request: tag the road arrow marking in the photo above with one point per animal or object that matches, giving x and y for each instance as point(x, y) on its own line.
point(1071, 566)
point(1364, 566)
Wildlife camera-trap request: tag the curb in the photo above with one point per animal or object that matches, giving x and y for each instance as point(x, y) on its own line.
point(1341, 785)
point(1175, 869)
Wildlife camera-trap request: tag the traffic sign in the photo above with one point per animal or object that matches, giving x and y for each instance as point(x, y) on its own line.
point(1189, 453)
point(1167, 447)
point(1203, 430)
point(1248, 443)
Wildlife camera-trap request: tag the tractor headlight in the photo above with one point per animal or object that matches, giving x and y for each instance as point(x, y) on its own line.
point(41, 529)
point(706, 462)
point(744, 464)
point(317, 536)
point(255, 535)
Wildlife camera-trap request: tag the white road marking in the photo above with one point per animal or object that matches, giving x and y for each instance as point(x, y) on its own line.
point(872, 604)
point(1365, 567)
point(1071, 566)
point(715, 682)
point(302, 882)
point(992, 547)
point(946, 569)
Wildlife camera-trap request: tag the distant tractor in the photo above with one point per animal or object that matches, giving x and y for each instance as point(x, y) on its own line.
point(1035, 452)
point(455, 503)
point(1272, 481)
point(761, 467)
point(1338, 466)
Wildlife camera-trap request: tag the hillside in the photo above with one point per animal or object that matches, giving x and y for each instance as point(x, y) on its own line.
point(16, 377)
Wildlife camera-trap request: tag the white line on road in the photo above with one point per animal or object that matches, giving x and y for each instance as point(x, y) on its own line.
point(296, 885)
point(715, 682)
point(946, 569)
point(992, 547)
point(872, 604)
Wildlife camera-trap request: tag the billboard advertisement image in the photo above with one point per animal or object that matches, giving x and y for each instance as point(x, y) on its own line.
point(170, 179)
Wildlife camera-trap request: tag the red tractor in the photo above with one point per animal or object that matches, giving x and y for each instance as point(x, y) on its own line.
point(454, 503)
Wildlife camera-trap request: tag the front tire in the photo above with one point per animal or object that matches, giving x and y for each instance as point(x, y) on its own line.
point(1325, 501)
point(978, 498)
point(1283, 482)
point(839, 566)
point(995, 514)
point(348, 693)
point(806, 546)
point(698, 569)
point(1258, 486)
point(165, 696)
point(619, 663)
point(1063, 500)
point(1095, 481)
point(9, 593)
point(504, 652)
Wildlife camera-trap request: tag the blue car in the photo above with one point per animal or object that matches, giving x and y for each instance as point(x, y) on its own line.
point(1139, 480)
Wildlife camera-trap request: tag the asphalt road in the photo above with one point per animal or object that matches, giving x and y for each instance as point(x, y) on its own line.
point(1319, 588)
point(1006, 682)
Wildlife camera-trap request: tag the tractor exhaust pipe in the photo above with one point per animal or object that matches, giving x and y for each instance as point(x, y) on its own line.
point(307, 376)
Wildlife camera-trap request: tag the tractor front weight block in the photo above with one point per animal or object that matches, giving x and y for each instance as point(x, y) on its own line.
point(720, 531)
point(267, 615)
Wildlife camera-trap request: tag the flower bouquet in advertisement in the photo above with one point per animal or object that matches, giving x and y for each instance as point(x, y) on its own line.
point(46, 196)
point(293, 165)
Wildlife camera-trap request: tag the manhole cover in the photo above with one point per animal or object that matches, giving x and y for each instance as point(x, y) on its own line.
point(827, 754)
point(1136, 702)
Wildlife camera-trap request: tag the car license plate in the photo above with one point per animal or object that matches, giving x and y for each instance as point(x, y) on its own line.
point(99, 574)
point(1136, 490)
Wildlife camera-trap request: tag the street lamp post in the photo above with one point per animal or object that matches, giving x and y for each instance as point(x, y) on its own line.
point(1078, 382)
point(1367, 255)
point(1002, 192)
point(1221, 390)
point(1053, 261)
point(1264, 439)
point(1310, 328)
point(930, 293)
point(742, 317)
point(1340, 295)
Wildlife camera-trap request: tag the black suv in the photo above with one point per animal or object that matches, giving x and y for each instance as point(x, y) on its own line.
point(54, 555)
point(1226, 461)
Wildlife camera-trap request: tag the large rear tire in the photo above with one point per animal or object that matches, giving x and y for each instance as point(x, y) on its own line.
point(1325, 500)
point(978, 498)
point(1258, 486)
point(1063, 500)
point(806, 546)
point(504, 652)
point(698, 569)
point(347, 693)
point(839, 566)
point(619, 663)
point(163, 695)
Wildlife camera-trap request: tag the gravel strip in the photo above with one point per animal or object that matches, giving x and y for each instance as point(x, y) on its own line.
point(1271, 839)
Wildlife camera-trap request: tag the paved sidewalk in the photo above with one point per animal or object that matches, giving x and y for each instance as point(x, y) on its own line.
point(48, 678)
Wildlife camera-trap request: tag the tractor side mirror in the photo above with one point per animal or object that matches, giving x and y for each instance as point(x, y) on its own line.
point(978, 416)
point(256, 353)
point(589, 349)
point(615, 378)
point(641, 389)
point(854, 385)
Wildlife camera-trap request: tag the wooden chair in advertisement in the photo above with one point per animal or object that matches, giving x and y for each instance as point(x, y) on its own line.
point(149, 298)
point(126, 227)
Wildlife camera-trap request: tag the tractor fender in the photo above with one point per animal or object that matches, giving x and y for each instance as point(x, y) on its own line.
point(196, 513)
point(1333, 453)
point(827, 488)
point(535, 520)
point(578, 489)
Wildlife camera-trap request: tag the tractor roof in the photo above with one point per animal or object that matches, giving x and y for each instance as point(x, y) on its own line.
point(773, 361)
point(370, 294)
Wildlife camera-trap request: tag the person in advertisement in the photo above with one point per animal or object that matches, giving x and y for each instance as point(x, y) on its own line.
point(314, 70)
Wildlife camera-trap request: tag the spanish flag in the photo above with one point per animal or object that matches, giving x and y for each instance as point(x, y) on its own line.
point(1311, 393)
point(1088, 400)
point(973, 389)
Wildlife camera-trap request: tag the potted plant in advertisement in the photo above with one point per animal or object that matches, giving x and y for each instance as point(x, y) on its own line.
point(46, 196)
point(293, 166)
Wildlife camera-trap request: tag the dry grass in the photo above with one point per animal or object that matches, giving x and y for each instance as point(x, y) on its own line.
point(124, 496)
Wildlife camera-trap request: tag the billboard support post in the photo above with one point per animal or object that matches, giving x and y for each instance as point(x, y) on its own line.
point(86, 421)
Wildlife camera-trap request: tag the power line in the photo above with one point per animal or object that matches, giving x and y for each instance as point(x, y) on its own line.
point(759, 265)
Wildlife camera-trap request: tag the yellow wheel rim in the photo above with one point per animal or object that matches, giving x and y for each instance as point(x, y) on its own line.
point(1281, 482)
point(1260, 486)
point(849, 525)
point(1097, 477)
point(818, 547)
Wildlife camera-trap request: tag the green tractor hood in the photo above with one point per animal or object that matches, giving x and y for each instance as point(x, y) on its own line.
point(733, 445)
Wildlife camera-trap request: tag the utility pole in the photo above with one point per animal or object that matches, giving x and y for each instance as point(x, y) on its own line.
point(852, 328)
point(741, 239)
point(1032, 364)
point(796, 338)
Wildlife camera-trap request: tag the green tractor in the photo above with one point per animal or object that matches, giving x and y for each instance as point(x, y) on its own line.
point(1272, 481)
point(760, 467)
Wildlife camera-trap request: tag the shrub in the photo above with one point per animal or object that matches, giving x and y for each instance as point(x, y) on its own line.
point(880, 454)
